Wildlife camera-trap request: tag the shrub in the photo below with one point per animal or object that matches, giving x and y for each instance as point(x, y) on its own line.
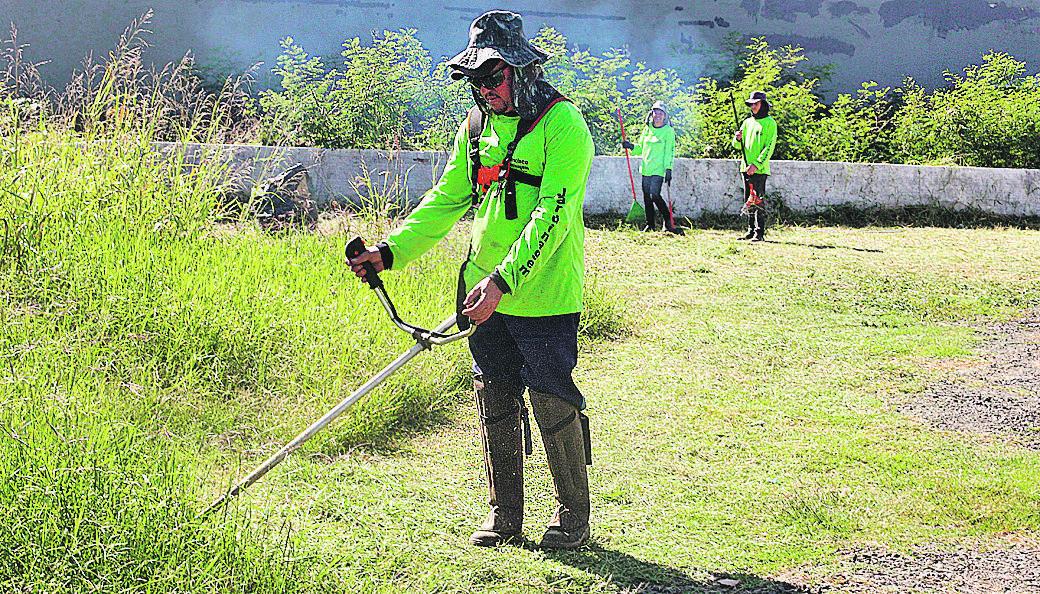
point(390, 95)
point(384, 95)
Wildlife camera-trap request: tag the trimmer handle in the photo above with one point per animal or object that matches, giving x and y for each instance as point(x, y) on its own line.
point(355, 248)
point(425, 337)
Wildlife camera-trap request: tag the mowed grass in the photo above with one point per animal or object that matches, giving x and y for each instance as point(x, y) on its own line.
point(746, 424)
point(743, 398)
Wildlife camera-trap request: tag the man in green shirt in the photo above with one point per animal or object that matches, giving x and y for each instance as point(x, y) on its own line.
point(522, 158)
point(757, 139)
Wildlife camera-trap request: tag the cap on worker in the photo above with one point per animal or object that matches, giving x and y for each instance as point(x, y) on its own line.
point(755, 97)
point(496, 34)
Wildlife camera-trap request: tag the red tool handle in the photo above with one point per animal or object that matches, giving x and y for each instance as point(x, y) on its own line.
point(628, 160)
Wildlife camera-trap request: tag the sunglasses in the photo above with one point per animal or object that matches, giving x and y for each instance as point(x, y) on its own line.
point(489, 81)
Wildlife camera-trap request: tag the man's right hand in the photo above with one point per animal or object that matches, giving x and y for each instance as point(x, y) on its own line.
point(371, 255)
point(627, 145)
point(740, 135)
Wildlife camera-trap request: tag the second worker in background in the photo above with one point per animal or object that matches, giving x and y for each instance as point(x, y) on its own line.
point(656, 145)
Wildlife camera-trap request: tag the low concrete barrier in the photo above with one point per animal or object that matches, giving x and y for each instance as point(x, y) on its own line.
point(699, 185)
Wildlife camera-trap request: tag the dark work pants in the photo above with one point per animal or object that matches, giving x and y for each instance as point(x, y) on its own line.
point(652, 198)
point(538, 352)
point(756, 214)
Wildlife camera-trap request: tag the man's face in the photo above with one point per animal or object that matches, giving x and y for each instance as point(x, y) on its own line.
point(500, 96)
point(658, 118)
point(756, 107)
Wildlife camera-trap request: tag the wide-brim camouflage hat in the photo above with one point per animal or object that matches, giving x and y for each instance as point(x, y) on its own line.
point(497, 34)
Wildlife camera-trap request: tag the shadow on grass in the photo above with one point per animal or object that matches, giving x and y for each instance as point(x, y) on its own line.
point(818, 246)
point(847, 216)
point(647, 577)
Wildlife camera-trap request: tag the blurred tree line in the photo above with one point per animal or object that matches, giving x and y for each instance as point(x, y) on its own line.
point(390, 94)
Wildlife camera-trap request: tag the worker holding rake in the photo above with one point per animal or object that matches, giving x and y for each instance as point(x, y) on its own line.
point(657, 147)
point(756, 139)
point(522, 159)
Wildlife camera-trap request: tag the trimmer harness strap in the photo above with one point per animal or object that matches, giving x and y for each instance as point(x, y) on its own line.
point(482, 177)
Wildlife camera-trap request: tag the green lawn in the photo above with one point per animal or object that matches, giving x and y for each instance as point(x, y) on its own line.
point(745, 424)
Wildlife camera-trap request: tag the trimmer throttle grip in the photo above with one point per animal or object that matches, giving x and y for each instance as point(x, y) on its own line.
point(355, 248)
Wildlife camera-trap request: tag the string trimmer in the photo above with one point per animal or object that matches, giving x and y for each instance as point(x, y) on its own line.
point(424, 340)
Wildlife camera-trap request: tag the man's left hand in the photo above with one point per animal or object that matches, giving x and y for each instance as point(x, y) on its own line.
point(668, 177)
point(752, 170)
point(482, 301)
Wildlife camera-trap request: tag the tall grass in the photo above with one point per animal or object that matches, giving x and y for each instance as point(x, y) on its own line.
point(149, 350)
point(94, 504)
point(97, 490)
point(142, 352)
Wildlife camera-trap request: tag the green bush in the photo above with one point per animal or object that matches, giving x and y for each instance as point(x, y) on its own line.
point(987, 117)
point(387, 95)
point(390, 95)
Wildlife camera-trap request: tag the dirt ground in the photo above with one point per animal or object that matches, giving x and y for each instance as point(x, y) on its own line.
point(1011, 566)
point(1000, 395)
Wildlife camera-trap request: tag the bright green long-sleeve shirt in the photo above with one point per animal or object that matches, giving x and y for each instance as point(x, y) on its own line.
point(657, 147)
point(759, 142)
point(540, 254)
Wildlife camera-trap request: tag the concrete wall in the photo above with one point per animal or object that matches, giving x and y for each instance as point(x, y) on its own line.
point(699, 185)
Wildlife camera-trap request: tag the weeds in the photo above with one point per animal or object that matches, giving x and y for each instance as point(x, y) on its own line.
point(119, 97)
point(131, 335)
point(93, 505)
point(134, 339)
point(382, 196)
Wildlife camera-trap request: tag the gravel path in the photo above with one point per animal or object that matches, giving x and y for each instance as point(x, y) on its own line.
point(1001, 395)
point(1010, 566)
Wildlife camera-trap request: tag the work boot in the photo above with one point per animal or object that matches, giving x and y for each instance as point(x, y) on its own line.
point(651, 218)
point(747, 236)
point(499, 410)
point(560, 424)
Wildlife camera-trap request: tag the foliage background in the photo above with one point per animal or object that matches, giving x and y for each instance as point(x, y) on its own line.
point(390, 94)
